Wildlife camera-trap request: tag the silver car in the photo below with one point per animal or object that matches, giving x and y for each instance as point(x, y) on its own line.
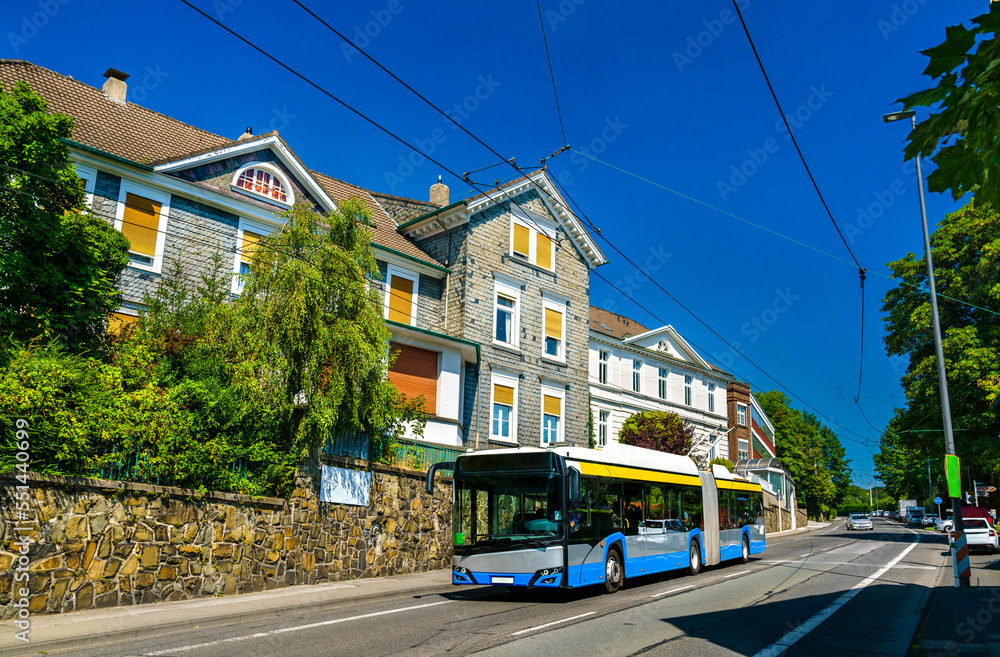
point(859, 521)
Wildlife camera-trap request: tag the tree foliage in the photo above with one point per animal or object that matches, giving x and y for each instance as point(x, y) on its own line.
point(963, 136)
point(662, 431)
point(59, 266)
point(812, 453)
point(966, 254)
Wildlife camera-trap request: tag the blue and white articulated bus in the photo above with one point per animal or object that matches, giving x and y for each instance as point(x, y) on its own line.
point(570, 517)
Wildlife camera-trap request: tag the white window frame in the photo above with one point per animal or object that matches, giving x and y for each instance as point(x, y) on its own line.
point(89, 176)
point(392, 271)
point(603, 365)
point(534, 228)
point(743, 449)
point(663, 383)
point(559, 305)
point(510, 380)
point(552, 391)
point(711, 397)
point(511, 290)
point(637, 375)
point(741, 414)
point(688, 390)
point(274, 171)
point(253, 227)
point(603, 426)
point(129, 187)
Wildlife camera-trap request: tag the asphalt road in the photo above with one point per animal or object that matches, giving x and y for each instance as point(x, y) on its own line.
point(826, 592)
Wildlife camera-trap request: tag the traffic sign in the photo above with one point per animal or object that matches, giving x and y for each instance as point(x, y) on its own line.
point(937, 500)
point(983, 490)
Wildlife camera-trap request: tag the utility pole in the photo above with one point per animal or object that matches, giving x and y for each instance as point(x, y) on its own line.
point(975, 493)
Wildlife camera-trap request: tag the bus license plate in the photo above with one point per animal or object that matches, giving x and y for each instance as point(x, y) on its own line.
point(501, 580)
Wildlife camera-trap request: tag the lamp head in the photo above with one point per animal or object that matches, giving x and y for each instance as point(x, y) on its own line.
point(898, 116)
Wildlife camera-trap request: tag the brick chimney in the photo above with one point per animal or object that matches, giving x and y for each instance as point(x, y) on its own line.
point(115, 86)
point(439, 194)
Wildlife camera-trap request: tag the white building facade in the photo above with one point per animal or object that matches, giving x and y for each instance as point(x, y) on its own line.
point(635, 369)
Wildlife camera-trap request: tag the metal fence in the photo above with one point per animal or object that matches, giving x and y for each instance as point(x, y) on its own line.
point(403, 452)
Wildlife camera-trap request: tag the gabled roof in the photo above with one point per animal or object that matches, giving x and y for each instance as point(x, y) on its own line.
point(670, 332)
point(617, 326)
point(555, 203)
point(137, 134)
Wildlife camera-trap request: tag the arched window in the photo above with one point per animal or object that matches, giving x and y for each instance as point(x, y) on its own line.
point(259, 179)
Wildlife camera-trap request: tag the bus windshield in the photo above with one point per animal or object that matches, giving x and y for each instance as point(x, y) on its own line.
point(503, 510)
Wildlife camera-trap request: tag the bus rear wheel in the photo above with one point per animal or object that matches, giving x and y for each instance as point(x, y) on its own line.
point(694, 557)
point(614, 574)
point(745, 556)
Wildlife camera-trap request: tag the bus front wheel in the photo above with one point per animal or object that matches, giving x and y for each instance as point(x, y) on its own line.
point(613, 571)
point(694, 556)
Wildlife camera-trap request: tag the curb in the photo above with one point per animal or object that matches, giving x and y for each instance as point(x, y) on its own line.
point(155, 629)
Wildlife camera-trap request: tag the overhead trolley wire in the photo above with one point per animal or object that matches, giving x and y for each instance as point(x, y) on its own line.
point(555, 93)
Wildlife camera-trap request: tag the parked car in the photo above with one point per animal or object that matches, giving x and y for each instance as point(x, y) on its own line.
point(929, 521)
point(979, 534)
point(944, 524)
point(859, 521)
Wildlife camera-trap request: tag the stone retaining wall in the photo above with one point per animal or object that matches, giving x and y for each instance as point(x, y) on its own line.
point(96, 543)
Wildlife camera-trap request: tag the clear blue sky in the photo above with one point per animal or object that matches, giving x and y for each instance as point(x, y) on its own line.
point(668, 91)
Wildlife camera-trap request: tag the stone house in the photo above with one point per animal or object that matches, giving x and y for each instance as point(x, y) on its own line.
point(634, 369)
point(519, 263)
point(751, 433)
point(486, 298)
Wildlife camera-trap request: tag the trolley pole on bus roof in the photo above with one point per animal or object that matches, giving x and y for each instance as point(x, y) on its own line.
point(960, 551)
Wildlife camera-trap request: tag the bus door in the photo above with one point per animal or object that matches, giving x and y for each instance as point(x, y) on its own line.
point(631, 527)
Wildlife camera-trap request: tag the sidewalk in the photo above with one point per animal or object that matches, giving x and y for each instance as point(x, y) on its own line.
point(811, 525)
point(54, 631)
point(961, 621)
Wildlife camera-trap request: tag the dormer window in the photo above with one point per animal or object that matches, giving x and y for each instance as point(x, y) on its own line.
point(263, 180)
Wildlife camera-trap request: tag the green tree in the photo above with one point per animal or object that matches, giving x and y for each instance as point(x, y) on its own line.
point(966, 254)
point(307, 338)
point(811, 452)
point(58, 267)
point(662, 431)
point(963, 135)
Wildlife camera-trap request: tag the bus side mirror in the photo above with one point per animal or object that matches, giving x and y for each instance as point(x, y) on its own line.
point(573, 481)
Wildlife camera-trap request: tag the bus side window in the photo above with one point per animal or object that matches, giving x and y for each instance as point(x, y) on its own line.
point(692, 505)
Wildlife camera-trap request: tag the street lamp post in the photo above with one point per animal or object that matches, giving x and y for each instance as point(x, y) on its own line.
point(960, 550)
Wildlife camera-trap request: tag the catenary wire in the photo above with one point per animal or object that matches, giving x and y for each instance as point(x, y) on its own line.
point(552, 74)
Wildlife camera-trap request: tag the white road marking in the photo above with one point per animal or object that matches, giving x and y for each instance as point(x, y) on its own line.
point(260, 635)
point(806, 554)
point(805, 628)
point(683, 588)
point(844, 563)
point(742, 572)
point(565, 620)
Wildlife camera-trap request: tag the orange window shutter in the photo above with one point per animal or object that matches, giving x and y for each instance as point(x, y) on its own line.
point(140, 223)
point(118, 321)
point(543, 251)
point(415, 373)
point(553, 324)
point(551, 405)
point(251, 242)
point(522, 240)
point(503, 394)
point(400, 299)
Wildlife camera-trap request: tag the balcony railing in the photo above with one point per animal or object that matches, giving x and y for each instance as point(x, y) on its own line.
point(403, 452)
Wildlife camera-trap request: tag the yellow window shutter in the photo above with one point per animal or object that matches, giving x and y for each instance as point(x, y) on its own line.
point(118, 321)
point(522, 240)
point(543, 251)
point(400, 299)
point(503, 394)
point(140, 222)
point(552, 405)
point(553, 324)
point(251, 242)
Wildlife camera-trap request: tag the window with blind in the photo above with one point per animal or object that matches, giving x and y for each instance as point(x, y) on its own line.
point(554, 346)
point(532, 244)
point(117, 322)
point(551, 418)
point(248, 239)
point(415, 373)
point(503, 424)
point(142, 218)
point(400, 296)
